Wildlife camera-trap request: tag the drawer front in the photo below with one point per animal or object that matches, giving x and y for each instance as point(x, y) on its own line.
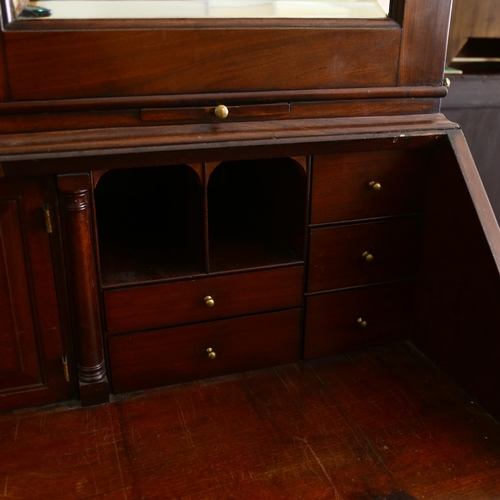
point(160, 357)
point(216, 113)
point(156, 306)
point(332, 320)
point(340, 256)
point(341, 187)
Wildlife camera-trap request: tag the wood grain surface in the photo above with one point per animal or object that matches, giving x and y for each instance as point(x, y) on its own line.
point(372, 425)
point(155, 306)
point(459, 282)
point(31, 339)
point(155, 62)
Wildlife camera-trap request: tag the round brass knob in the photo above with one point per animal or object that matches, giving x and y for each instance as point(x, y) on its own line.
point(367, 256)
point(362, 323)
point(447, 83)
point(221, 111)
point(376, 186)
point(209, 301)
point(211, 353)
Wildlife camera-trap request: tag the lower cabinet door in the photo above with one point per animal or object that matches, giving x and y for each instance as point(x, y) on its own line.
point(338, 322)
point(31, 348)
point(172, 355)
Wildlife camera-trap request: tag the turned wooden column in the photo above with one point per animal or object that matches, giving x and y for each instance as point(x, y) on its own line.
point(74, 193)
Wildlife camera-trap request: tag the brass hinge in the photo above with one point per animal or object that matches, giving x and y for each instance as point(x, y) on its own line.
point(65, 368)
point(48, 219)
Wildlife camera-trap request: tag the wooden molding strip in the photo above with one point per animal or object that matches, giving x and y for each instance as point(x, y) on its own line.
point(195, 136)
point(210, 99)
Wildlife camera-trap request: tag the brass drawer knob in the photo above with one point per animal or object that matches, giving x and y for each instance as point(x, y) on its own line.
point(362, 323)
point(367, 256)
point(221, 112)
point(376, 186)
point(211, 353)
point(209, 301)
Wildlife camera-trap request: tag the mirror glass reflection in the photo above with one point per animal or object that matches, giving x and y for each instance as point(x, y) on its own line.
point(211, 9)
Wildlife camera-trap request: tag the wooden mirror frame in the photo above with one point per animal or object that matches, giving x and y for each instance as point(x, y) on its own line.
point(267, 59)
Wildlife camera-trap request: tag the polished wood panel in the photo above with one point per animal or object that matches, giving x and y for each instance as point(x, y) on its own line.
point(155, 306)
point(336, 253)
point(18, 337)
point(148, 62)
point(31, 368)
point(425, 32)
point(160, 357)
point(333, 323)
point(369, 425)
point(341, 185)
point(459, 284)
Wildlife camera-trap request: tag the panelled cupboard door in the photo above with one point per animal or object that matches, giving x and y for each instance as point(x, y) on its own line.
point(31, 349)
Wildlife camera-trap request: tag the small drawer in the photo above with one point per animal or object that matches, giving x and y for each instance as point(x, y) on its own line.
point(217, 113)
point(161, 357)
point(362, 254)
point(342, 321)
point(365, 185)
point(156, 306)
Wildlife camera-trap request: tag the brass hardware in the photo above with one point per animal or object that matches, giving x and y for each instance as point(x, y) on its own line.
point(362, 323)
point(375, 186)
point(447, 83)
point(65, 368)
point(209, 301)
point(221, 111)
point(48, 219)
point(211, 353)
point(367, 256)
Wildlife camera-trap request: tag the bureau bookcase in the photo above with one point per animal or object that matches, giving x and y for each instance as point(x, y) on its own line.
point(187, 198)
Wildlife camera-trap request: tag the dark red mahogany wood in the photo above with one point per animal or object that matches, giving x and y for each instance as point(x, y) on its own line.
point(75, 206)
point(371, 425)
point(420, 61)
point(179, 354)
point(31, 368)
point(345, 178)
point(146, 307)
point(355, 101)
point(148, 62)
point(459, 284)
point(343, 321)
point(339, 255)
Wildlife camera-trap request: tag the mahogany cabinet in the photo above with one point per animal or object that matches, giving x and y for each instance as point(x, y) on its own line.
point(35, 361)
point(301, 196)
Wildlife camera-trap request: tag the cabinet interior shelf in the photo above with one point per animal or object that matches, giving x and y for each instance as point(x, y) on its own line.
point(163, 223)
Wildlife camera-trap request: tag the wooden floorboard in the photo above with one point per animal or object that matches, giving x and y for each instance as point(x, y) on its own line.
point(383, 424)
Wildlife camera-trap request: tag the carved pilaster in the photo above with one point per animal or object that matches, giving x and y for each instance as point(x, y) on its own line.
point(81, 269)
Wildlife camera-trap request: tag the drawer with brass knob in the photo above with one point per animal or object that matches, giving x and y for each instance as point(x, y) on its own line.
point(338, 322)
point(216, 113)
point(367, 185)
point(176, 303)
point(365, 253)
point(179, 354)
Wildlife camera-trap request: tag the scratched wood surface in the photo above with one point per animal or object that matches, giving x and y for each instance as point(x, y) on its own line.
point(374, 425)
